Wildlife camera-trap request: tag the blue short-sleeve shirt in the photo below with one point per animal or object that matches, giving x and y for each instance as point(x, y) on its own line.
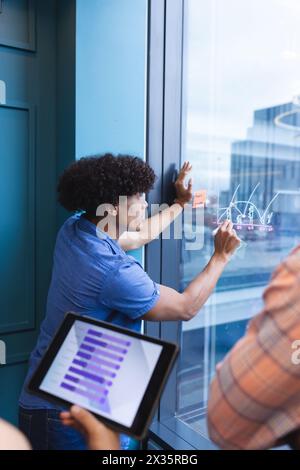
point(91, 276)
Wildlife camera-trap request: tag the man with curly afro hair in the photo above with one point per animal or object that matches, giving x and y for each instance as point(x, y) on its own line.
point(93, 275)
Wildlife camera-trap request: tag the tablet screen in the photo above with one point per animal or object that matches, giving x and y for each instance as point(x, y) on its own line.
point(104, 371)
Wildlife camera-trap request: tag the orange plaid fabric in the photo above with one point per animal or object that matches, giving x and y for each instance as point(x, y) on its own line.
point(255, 396)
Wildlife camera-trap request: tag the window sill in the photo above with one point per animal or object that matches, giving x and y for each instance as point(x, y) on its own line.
point(174, 434)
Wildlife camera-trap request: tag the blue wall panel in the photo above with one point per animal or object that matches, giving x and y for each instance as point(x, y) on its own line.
point(111, 64)
point(27, 183)
point(111, 76)
point(17, 232)
point(17, 24)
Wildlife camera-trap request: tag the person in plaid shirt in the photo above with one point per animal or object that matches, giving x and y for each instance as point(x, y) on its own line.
point(255, 396)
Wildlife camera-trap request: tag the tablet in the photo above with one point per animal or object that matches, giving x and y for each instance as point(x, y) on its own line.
point(115, 373)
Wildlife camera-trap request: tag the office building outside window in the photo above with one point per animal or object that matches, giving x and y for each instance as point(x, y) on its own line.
point(239, 126)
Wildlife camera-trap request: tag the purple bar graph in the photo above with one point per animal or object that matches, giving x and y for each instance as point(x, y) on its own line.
point(95, 366)
point(102, 352)
point(105, 363)
point(72, 388)
point(99, 360)
point(89, 366)
point(89, 385)
point(79, 363)
point(103, 344)
point(84, 393)
point(106, 373)
point(84, 355)
point(86, 347)
point(92, 377)
point(72, 379)
point(109, 337)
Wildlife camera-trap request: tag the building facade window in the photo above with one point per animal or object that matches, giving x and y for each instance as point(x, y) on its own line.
point(232, 106)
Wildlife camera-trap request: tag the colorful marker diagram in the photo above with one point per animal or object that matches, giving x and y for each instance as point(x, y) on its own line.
point(246, 215)
point(95, 366)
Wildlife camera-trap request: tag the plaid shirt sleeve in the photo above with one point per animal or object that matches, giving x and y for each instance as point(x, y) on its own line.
point(255, 396)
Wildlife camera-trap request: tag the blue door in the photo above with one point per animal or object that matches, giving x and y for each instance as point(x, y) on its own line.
point(27, 183)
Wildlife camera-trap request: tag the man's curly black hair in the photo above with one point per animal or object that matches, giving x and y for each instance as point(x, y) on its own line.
point(92, 181)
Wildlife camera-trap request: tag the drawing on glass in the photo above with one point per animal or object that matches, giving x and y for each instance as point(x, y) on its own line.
point(246, 215)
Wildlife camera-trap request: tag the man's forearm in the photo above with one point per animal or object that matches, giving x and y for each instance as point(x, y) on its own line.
point(175, 306)
point(155, 225)
point(150, 229)
point(198, 291)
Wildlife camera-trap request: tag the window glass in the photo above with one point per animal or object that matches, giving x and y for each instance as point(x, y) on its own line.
point(241, 132)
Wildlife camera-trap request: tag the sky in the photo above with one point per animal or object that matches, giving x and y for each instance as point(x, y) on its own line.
point(239, 56)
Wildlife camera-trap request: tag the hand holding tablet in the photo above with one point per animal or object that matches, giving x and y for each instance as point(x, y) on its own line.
point(113, 372)
point(97, 435)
